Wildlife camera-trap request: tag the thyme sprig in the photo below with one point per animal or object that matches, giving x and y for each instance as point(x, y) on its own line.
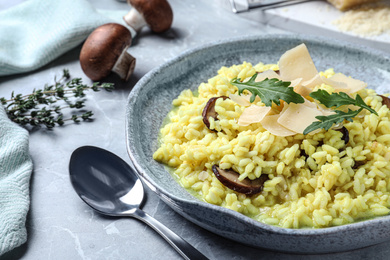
point(44, 107)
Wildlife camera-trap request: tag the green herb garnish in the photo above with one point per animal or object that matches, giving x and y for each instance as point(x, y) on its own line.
point(326, 122)
point(336, 100)
point(274, 90)
point(339, 99)
point(45, 106)
point(269, 90)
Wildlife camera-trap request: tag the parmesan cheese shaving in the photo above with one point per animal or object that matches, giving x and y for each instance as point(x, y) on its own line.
point(336, 85)
point(340, 82)
point(253, 114)
point(270, 74)
point(297, 63)
point(298, 116)
point(295, 82)
point(303, 91)
point(270, 123)
point(313, 82)
point(310, 104)
point(326, 111)
point(240, 100)
point(354, 85)
point(299, 88)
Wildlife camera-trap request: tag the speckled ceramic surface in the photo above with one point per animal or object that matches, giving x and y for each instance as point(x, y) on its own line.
point(150, 101)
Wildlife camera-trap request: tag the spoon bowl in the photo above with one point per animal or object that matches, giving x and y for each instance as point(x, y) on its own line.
point(110, 186)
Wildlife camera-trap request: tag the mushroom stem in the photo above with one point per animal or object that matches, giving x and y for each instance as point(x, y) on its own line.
point(125, 65)
point(135, 20)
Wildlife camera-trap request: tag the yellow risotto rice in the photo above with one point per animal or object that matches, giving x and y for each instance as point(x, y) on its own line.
point(314, 180)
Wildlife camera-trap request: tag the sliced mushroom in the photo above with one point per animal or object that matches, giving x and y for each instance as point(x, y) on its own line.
point(209, 110)
point(105, 51)
point(345, 135)
point(385, 101)
point(229, 178)
point(304, 154)
point(157, 14)
point(358, 164)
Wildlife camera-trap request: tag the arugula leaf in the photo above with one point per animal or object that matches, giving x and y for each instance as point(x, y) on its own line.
point(269, 90)
point(326, 122)
point(339, 99)
point(336, 100)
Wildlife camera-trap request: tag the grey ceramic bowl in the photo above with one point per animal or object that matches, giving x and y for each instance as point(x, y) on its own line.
point(150, 101)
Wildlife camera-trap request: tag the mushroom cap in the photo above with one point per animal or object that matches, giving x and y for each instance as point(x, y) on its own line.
point(209, 110)
point(229, 178)
point(102, 49)
point(158, 14)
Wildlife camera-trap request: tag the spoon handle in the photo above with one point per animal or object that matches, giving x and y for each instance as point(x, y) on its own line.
point(182, 247)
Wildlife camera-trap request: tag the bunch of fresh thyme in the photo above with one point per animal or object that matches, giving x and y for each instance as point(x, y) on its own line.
point(43, 107)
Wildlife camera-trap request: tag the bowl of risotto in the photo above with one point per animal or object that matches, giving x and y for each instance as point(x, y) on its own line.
point(278, 142)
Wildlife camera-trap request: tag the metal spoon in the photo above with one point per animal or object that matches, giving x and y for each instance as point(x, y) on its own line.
point(109, 185)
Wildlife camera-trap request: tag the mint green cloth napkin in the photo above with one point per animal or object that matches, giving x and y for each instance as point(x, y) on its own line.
point(15, 171)
point(36, 32)
point(32, 34)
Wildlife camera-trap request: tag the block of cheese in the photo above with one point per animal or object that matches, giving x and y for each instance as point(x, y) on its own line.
point(348, 4)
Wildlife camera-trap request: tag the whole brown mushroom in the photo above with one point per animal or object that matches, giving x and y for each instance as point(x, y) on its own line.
point(157, 14)
point(105, 51)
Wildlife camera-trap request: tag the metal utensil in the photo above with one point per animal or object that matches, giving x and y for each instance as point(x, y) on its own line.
point(109, 185)
point(239, 6)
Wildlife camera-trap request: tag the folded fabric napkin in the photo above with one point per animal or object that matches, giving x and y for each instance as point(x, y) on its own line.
point(15, 171)
point(31, 35)
point(36, 32)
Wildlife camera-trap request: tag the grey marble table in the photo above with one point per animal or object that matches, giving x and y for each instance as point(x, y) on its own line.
point(59, 224)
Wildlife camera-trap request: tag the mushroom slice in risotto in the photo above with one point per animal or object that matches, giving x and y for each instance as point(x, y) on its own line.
point(229, 178)
point(209, 110)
